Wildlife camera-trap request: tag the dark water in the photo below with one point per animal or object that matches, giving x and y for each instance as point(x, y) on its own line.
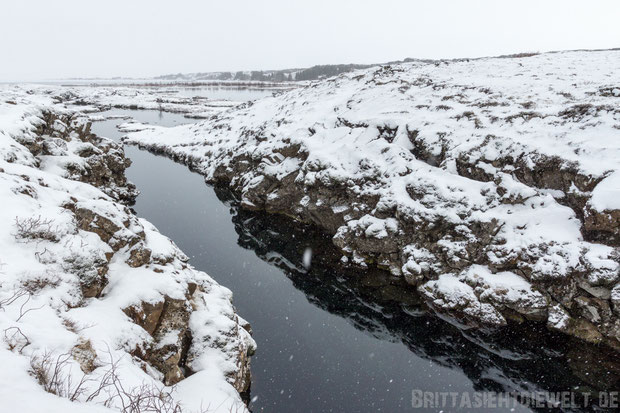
point(332, 339)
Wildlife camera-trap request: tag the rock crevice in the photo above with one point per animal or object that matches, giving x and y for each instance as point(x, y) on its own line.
point(428, 172)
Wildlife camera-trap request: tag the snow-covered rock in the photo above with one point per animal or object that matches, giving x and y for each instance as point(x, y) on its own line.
point(479, 293)
point(92, 296)
point(501, 166)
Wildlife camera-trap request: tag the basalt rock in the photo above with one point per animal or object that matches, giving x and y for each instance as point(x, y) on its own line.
point(86, 356)
point(103, 162)
point(174, 349)
point(446, 175)
point(110, 232)
point(602, 226)
point(139, 256)
point(178, 321)
point(172, 338)
point(146, 315)
point(91, 269)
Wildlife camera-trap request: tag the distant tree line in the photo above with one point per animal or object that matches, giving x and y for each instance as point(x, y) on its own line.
point(322, 71)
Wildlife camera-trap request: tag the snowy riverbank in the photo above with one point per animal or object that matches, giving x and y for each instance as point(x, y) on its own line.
point(490, 184)
point(96, 306)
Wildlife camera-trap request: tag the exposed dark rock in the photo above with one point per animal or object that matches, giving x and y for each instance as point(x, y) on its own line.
point(603, 227)
point(139, 256)
point(170, 333)
point(86, 356)
point(146, 315)
point(105, 161)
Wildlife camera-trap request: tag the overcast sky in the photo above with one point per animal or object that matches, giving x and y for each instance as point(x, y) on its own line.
point(45, 39)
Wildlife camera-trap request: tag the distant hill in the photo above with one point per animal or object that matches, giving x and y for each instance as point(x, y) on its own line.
point(283, 75)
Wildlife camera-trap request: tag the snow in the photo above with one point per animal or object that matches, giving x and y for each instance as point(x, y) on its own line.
point(606, 195)
point(558, 317)
point(49, 313)
point(307, 258)
point(445, 143)
point(92, 99)
point(475, 288)
point(452, 294)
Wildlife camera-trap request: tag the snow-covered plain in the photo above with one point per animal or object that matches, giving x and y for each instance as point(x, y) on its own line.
point(90, 291)
point(492, 184)
point(93, 99)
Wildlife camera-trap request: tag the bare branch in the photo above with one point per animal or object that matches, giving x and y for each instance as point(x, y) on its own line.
point(17, 336)
point(54, 375)
point(36, 229)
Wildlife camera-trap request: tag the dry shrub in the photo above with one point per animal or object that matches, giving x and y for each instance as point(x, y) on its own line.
point(54, 375)
point(35, 229)
point(38, 282)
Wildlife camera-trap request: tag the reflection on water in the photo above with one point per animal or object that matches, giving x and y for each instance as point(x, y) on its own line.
point(337, 339)
point(108, 128)
point(239, 94)
point(517, 359)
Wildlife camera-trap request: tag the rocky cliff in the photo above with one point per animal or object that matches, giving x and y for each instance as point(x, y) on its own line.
point(96, 306)
point(492, 185)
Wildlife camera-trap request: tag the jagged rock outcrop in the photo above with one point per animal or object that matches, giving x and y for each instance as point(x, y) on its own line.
point(106, 287)
point(85, 156)
point(490, 184)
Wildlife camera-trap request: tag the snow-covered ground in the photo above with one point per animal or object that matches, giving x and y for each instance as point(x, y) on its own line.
point(492, 184)
point(92, 99)
point(97, 308)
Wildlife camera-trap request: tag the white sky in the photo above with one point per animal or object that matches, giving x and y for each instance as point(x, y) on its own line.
point(46, 39)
